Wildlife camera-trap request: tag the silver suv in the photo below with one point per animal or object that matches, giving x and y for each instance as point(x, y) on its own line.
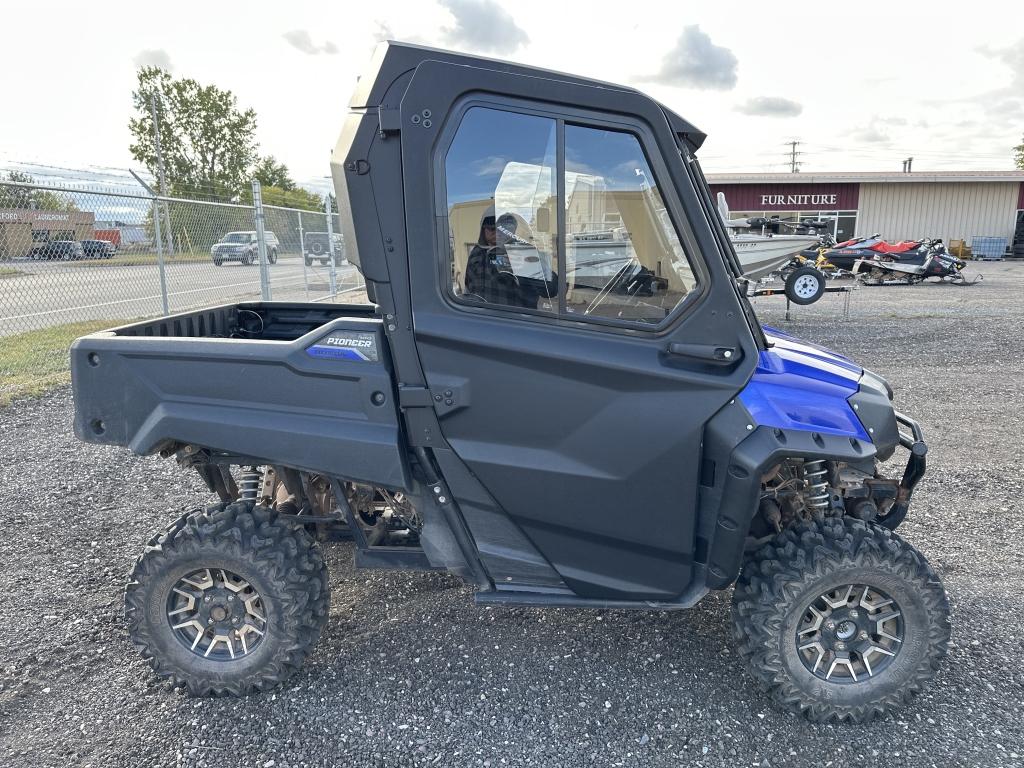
point(243, 247)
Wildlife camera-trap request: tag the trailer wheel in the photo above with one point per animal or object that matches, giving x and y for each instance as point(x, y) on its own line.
point(805, 285)
point(840, 619)
point(228, 600)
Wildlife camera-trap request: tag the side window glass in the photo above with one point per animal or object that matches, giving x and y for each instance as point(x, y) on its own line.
point(501, 192)
point(624, 259)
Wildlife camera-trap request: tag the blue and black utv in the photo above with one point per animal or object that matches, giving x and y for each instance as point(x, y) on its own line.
point(559, 393)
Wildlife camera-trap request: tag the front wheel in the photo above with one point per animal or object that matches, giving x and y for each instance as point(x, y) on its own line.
point(229, 600)
point(840, 620)
point(272, 256)
point(805, 285)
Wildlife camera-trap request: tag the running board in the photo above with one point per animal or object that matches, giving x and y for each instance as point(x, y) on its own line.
point(562, 600)
point(394, 559)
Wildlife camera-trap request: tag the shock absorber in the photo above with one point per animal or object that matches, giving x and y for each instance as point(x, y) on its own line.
point(249, 484)
point(816, 485)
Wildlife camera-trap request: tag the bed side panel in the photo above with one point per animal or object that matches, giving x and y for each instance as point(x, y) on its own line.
point(322, 403)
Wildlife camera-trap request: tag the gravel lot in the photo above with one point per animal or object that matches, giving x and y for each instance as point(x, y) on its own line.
point(411, 673)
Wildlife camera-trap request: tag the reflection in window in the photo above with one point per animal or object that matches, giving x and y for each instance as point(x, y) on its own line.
point(624, 260)
point(500, 176)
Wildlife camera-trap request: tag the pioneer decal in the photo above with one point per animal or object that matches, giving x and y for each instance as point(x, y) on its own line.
point(346, 345)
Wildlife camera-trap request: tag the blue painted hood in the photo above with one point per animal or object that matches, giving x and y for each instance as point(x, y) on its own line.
point(799, 385)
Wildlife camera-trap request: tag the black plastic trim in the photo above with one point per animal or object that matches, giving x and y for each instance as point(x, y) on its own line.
point(752, 457)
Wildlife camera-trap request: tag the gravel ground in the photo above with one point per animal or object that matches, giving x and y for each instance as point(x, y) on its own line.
point(411, 673)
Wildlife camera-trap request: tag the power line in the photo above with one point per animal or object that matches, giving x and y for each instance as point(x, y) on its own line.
point(794, 164)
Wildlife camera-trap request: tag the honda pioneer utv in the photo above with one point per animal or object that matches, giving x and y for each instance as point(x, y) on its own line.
point(560, 393)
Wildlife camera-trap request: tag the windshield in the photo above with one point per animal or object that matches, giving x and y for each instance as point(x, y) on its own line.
point(236, 237)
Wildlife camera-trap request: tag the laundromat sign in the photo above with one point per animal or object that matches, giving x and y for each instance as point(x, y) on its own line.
point(790, 197)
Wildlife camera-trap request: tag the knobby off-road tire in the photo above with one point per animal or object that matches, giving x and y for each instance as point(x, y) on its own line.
point(772, 605)
point(281, 564)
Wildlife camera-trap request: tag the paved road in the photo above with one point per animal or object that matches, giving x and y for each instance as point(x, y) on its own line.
point(52, 292)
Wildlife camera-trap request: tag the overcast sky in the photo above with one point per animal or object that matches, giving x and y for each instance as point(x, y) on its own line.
point(862, 85)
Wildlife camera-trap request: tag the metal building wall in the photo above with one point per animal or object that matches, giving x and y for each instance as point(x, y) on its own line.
point(952, 211)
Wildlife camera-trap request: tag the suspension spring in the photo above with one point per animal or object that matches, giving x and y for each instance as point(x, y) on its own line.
point(249, 484)
point(816, 485)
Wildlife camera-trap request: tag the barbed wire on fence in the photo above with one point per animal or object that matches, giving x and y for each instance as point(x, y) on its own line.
point(70, 254)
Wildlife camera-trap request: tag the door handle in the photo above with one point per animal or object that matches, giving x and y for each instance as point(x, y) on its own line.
point(706, 352)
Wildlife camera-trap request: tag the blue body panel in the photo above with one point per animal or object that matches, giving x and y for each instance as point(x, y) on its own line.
point(803, 386)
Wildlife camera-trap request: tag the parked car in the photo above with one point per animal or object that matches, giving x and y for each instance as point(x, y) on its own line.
point(98, 249)
point(244, 248)
point(316, 248)
point(59, 249)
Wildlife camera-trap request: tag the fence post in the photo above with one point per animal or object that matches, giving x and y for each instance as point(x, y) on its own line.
point(330, 245)
point(302, 253)
point(261, 239)
point(160, 255)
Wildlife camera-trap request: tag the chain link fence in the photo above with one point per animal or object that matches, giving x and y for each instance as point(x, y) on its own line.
point(70, 255)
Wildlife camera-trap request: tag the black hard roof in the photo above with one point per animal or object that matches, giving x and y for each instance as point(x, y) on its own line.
point(393, 59)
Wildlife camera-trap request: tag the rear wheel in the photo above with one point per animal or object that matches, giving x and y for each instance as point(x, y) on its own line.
point(840, 620)
point(228, 600)
point(218, 263)
point(805, 285)
point(272, 256)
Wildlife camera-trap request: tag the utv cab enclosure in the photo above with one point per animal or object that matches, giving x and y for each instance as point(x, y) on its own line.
point(559, 393)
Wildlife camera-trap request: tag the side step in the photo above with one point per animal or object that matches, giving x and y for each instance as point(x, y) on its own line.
point(394, 559)
point(567, 600)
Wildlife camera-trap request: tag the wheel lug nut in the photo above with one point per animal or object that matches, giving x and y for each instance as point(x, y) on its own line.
point(853, 614)
point(863, 635)
point(830, 625)
point(207, 599)
point(840, 646)
point(232, 597)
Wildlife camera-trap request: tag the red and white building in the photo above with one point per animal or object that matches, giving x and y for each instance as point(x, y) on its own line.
point(953, 205)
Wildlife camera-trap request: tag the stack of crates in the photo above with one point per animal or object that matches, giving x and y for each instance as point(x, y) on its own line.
point(984, 247)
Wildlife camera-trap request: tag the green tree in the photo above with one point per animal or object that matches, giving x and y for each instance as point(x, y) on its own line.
point(208, 143)
point(270, 173)
point(33, 199)
point(1018, 155)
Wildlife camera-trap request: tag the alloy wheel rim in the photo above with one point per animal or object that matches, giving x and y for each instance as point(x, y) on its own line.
point(850, 634)
point(216, 614)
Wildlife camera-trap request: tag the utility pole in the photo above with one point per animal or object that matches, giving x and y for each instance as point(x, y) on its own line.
point(910, 162)
point(794, 164)
point(160, 170)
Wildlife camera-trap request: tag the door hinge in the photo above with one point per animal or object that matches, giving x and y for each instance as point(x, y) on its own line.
point(414, 397)
point(390, 120)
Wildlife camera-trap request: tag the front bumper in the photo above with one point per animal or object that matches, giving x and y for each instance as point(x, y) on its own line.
point(912, 474)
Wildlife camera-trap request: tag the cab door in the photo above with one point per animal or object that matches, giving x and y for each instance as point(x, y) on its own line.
point(571, 306)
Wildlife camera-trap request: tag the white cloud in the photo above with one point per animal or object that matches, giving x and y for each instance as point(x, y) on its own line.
point(696, 62)
point(303, 41)
point(483, 26)
point(770, 106)
point(154, 57)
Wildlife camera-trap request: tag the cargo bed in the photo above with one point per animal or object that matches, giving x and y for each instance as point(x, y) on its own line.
point(303, 385)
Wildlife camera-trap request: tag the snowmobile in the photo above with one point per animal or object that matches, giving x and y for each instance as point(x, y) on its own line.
point(914, 265)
